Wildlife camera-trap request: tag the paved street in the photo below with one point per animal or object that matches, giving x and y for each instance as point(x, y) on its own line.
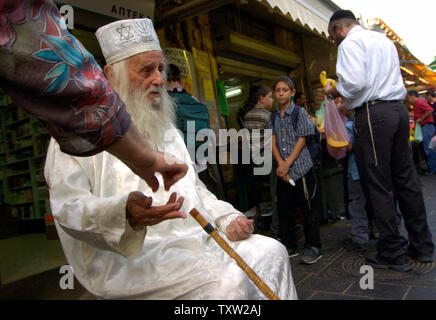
point(335, 276)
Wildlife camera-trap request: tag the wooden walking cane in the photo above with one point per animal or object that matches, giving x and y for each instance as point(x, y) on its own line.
point(241, 263)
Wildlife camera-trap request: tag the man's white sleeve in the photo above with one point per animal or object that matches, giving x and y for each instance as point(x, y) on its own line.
point(351, 70)
point(100, 222)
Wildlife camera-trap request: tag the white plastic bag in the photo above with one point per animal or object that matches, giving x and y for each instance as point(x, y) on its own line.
point(432, 144)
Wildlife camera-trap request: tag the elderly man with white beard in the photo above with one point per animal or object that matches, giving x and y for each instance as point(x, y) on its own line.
point(126, 242)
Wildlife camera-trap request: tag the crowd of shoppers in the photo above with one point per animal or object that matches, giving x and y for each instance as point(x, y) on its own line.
point(383, 183)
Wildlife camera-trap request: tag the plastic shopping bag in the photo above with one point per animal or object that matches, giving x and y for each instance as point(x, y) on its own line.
point(320, 117)
point(337, 153)
point(335, 130)
point(418, 133)
point(432, 144)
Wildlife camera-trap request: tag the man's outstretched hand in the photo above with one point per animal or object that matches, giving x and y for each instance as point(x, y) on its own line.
point(137, 154)
point(141, 214)
point(168, 166)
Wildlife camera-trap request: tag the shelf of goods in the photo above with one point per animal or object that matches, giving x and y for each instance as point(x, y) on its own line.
point(23, 146)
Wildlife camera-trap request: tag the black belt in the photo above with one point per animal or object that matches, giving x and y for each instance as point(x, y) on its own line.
point(374, 102)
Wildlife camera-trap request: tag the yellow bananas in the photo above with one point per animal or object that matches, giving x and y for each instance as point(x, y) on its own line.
point(324, 80)
point(336, 144)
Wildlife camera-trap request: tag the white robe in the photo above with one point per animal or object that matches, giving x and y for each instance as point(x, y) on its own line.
point(175, 259)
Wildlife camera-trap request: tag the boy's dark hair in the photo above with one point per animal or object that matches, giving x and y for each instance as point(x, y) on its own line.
point(286, 80)
point(413, 93)
point(256, 92)
point(173, 73)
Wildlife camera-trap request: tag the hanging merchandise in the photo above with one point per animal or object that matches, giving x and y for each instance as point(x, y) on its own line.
point(224, 107)
point(412, 132)
point(418, 133)
point(335, 130)
point(320, 117)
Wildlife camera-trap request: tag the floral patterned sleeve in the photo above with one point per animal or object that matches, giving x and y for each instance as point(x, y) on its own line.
point(48, 72)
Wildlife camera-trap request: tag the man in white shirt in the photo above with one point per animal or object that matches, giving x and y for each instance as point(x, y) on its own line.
point(118, 244)
point(370, 81)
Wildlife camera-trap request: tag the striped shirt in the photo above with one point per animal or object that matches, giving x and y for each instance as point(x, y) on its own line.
point(257, 118)
point(287, 137)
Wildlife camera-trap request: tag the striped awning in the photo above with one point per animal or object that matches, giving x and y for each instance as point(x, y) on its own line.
point(303, 14)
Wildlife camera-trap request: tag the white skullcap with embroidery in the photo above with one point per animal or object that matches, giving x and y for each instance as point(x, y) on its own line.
point(125, 38)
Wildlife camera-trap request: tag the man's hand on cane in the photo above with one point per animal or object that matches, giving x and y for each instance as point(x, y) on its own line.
point(239, 229)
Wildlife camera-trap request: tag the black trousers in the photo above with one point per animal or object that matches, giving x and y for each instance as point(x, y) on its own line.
point(385, 164)
point(288, 197)
point(249, 178)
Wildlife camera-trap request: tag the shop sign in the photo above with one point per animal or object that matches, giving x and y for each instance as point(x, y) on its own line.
point(125, 9)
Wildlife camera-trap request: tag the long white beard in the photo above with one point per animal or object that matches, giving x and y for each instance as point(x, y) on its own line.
point(151, 119)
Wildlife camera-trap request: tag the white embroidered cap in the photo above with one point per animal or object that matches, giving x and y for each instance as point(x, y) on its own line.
point(125, 38)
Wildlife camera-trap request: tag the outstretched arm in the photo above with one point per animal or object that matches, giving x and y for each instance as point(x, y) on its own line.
point(137, 154)
point(49, 74)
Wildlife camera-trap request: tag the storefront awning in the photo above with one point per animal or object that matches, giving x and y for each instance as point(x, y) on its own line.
point(314, 16)
point(421, 73)
point(415, 72)
point(433, 65)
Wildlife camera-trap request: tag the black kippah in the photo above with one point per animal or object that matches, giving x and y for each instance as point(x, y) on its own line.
point(173, 70)
point(342, 14)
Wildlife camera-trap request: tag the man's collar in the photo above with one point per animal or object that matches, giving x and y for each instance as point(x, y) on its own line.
point(354, 29)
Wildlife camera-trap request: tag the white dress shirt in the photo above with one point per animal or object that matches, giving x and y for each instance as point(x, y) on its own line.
point(368, 68)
